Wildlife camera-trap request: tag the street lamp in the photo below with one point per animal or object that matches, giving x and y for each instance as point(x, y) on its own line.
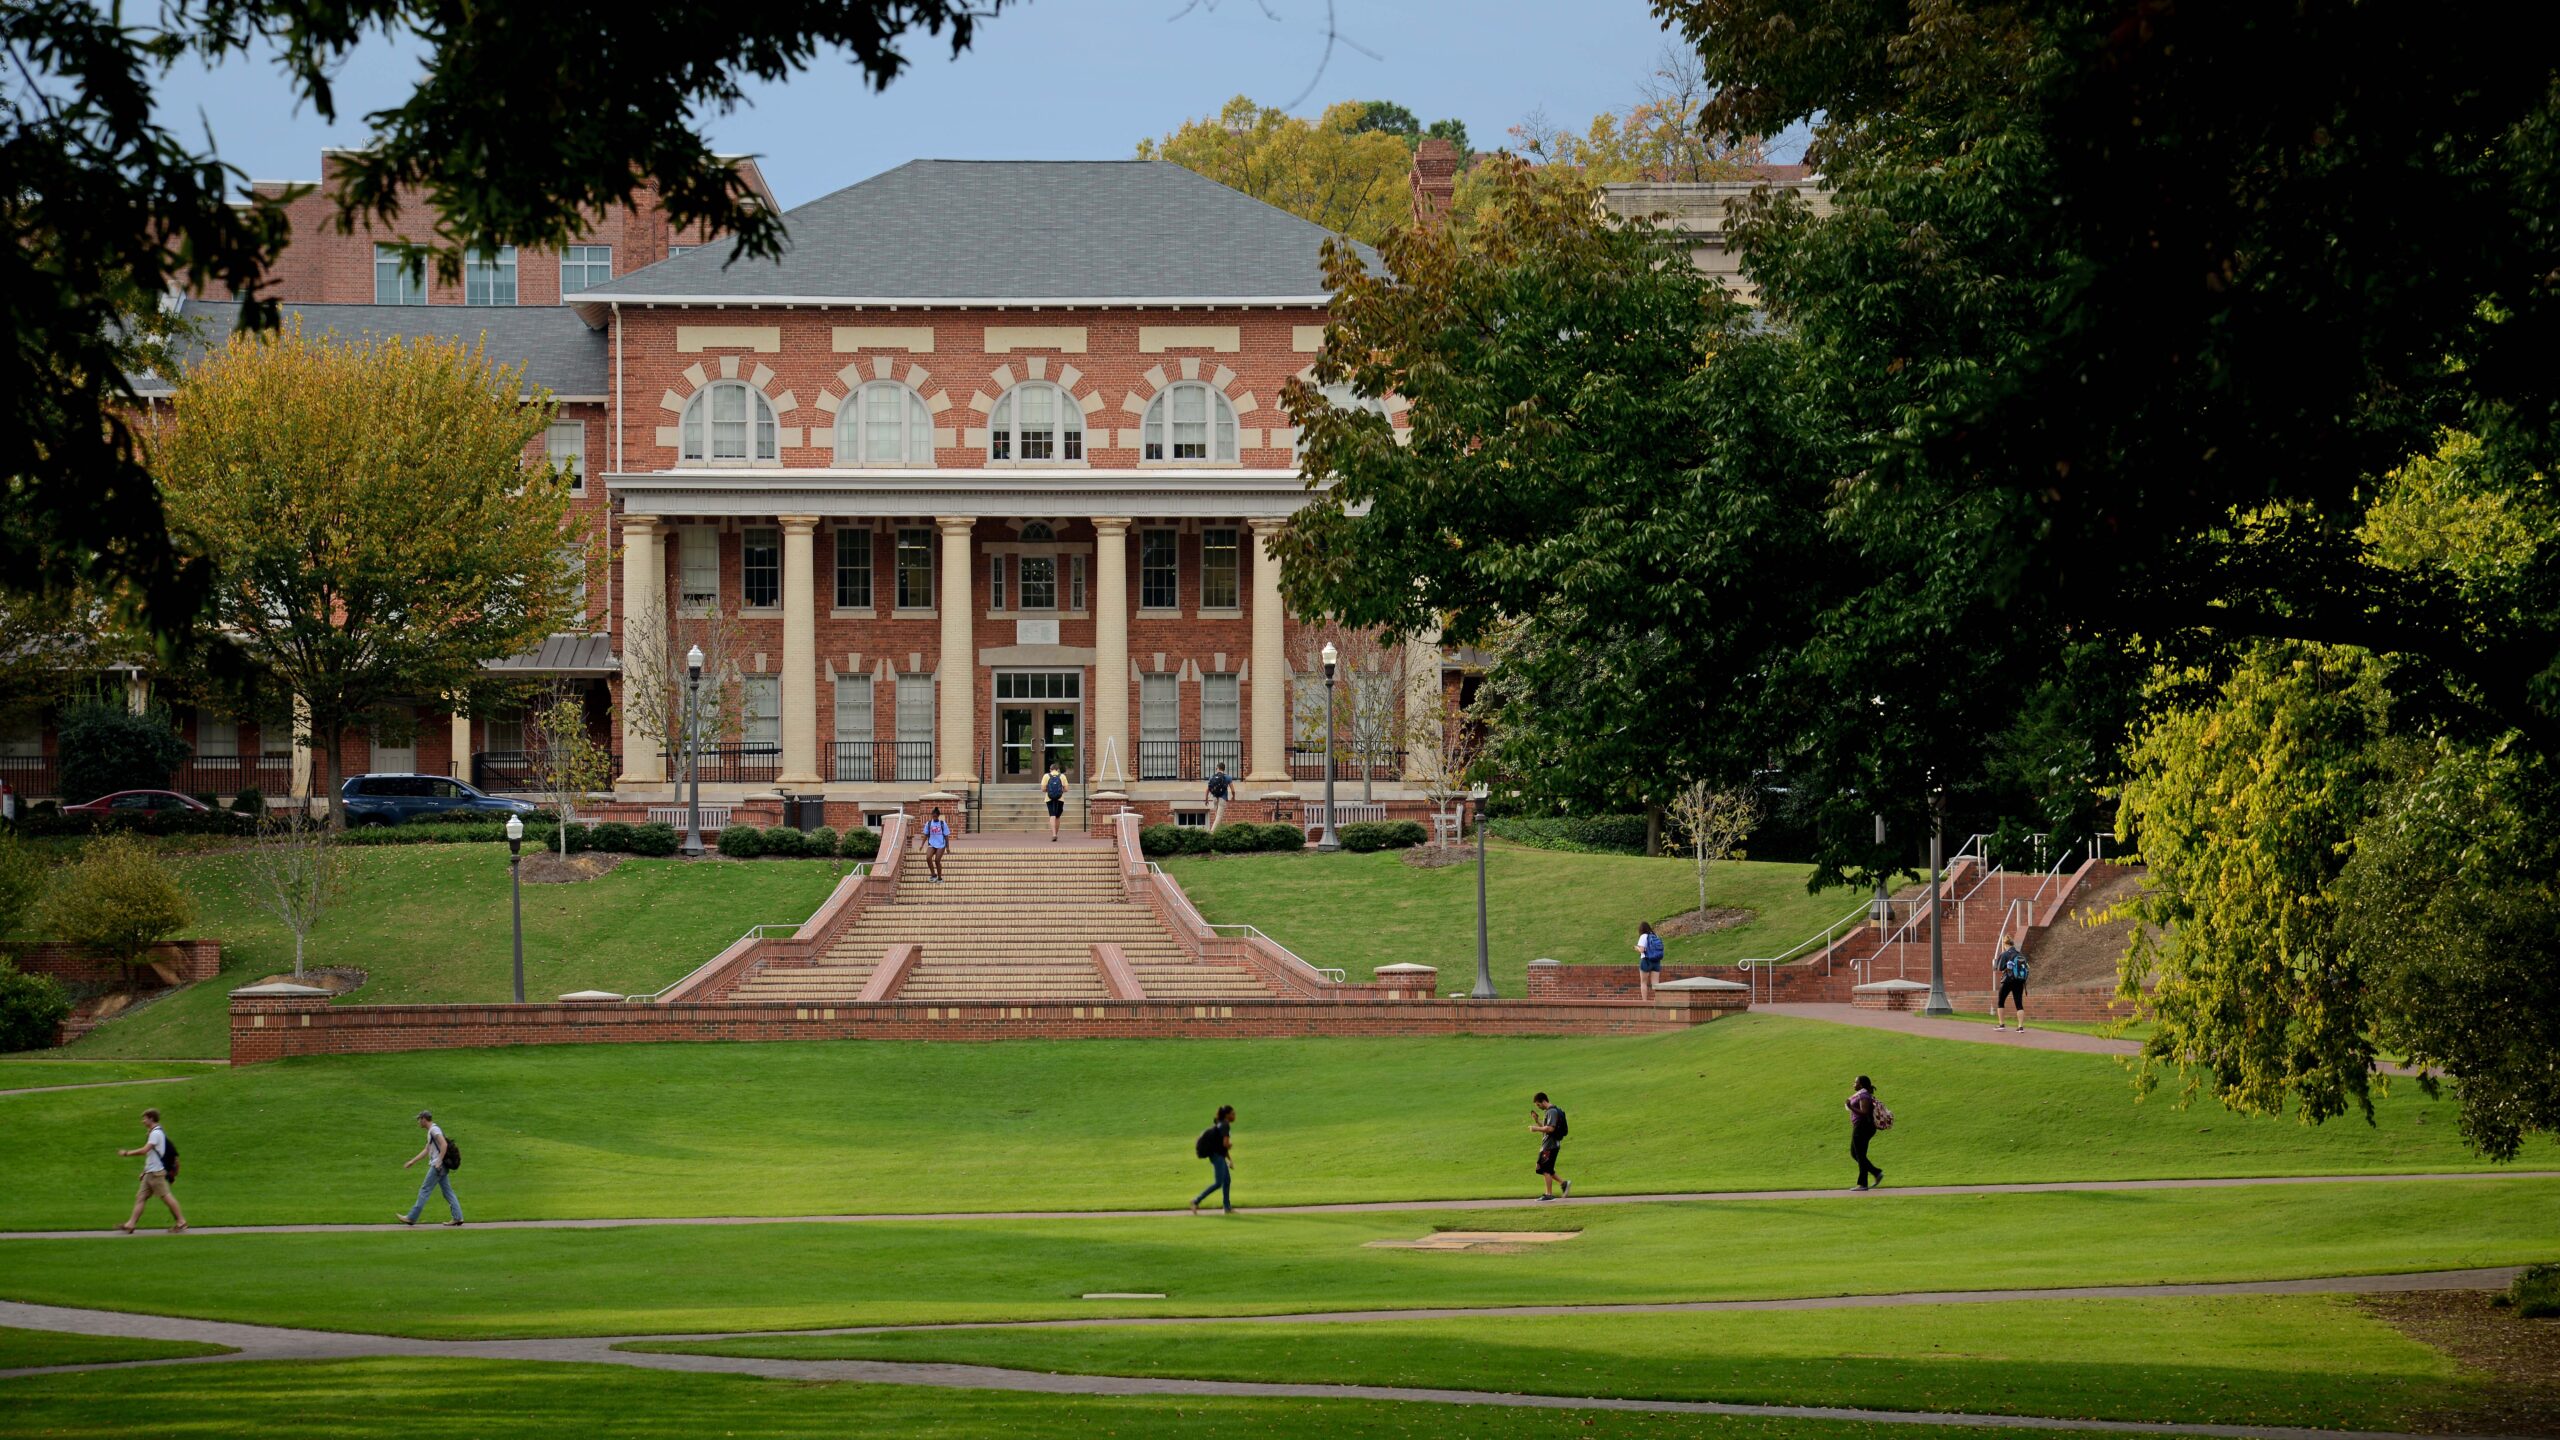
point(1329, 841)
point(515, 880)
point(693, 750)
point(1484, 951)
point(1938, 1004)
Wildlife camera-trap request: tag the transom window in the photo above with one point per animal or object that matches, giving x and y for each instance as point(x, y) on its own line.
point(1038, 530)
point(583, 267)
point(1039, 684)
point(884, 423)
point(490, 279)
point(1190, 421)
point(730, 422)
point(398, 279)
point(1037, 421)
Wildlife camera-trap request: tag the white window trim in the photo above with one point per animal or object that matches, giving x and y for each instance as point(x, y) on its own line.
point(775, 608)
point(701, 401)
point(835, 565)
point(577, 477)
point(851, 418)
point(1159, 612)
point(1070, 417)
point(1221, 411)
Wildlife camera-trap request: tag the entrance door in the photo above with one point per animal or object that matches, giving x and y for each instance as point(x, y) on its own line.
point(395, 759)
point(1017, 745)
point(1058, 741)
point(1039, 719)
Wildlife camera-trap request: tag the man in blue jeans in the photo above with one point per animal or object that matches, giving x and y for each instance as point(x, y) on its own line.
point(1217, 1145)
point(436, 1179)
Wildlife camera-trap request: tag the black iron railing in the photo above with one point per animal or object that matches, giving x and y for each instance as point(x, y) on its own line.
point(30, 777)
point(1306, 762)
point(729, 764)
point(517, 772)
point(1188, 759)
point(231, 774)
point(871, 760)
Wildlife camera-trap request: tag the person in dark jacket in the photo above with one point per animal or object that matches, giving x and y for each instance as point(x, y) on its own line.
point(1862, 1128)
point(1217, 1144)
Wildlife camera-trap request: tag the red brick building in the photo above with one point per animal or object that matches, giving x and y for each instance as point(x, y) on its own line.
point(977, 478)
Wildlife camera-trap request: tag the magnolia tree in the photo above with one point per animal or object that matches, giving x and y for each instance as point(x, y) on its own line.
point(1714, 821)
point(568, 762)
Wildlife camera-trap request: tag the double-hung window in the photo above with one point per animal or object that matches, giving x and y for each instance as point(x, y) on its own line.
point(1159, 727)
point(760, 567)
point(566, 442)
point(1159, 572)
point(1189, 421)
point(1220, 731)
point(217, 737)
point(1221, 554)
point(729, 423)
point(489, 278)
point(698, 547)
point(1039, 582)
point(760, 711)
point(398, 279)
point(1036, 421)
point(505, 733)
point(995, 582)
point(855, 702)
point(915, 569)
point(884, 424)
point(915, 727)
point(584, 267)
point(853, 569)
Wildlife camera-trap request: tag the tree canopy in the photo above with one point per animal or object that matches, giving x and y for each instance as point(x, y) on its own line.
point(1347, 170)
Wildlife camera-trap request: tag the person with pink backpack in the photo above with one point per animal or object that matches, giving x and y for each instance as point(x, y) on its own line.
point(1866, 1117)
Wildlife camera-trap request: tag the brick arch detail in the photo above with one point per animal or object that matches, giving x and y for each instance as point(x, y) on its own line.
point(865, 370)
point(701, 375)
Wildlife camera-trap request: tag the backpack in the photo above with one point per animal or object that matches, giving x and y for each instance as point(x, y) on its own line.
point(1218, 785)
point(1207, 1147)
point(1884, 1117)
point(1556, 1136)
point(2014, 962)
point(452, 1154)
point(1057, 788)
point(168, 1157)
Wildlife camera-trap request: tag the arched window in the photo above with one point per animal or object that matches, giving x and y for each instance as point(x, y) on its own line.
point(1037, 530)
point(1037, 421)
point(1190, 421)
point(729, 423)
point(1342, 396)
point(884, 423)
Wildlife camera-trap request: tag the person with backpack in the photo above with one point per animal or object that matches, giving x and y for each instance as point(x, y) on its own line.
point(1648, 960)
point(1547, 1118)
point(159, 1170)
point(1054, 785)
point(1219, 785)
point(937, 840)
point(443, 1157)
point(1866, 1117)
point(1217, 1146)
point(2009, 973)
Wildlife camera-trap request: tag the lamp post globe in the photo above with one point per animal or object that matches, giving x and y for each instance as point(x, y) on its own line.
point(1329, 841)
point(515, 885)
point(692, 750)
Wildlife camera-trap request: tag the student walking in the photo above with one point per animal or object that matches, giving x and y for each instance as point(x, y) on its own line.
point(442, 1160)
point(2009, 973)
point(937, 839)
point(1217, 1145)
point(1866, 1117)
point(1548, 1121)
point(1219, 785)
point(159, 1168)
point(1648, 960)
point(1055, 787)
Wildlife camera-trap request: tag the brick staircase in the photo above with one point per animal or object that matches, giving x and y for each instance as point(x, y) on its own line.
point(1024, 810)
point(1007, 925)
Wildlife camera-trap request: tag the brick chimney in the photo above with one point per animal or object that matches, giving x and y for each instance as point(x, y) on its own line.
point(1435, 181)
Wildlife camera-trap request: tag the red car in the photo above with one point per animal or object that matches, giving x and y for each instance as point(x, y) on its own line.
point(140, 802)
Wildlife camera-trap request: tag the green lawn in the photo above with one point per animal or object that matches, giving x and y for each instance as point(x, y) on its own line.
point(2297, 1360)
point(495, 1400)
point(1363, 911)
point(644, 1279)
point(18, 1072)
point(21, 1349)
point(430, 923)
point(2138, 1031)
point(787, 1129)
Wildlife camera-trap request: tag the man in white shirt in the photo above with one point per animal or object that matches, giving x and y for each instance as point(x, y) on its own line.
point(155, 1176)
point(436, 1180)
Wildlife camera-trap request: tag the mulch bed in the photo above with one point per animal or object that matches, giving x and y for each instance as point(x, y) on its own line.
point(336, 979)
point(549, 868)
point(2517, 1360)
point(1437, 857)
point(1704, 922)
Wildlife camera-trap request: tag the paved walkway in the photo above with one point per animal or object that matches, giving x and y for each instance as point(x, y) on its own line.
point(267, 1342)
point(1907, 1023)
point(99, 1084)
point(1880, 1194)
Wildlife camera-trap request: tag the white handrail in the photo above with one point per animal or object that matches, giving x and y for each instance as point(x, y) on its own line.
point(753, 932)
point(2054, 875)
point(1334, 973)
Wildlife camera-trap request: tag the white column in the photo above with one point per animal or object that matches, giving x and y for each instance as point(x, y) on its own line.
point(1111, 746)
point(1270, 761)
point(1425, 708)
point(644, 649)
point(799, 653)
point(302, 756)
point(956, 672)
point(461, 741)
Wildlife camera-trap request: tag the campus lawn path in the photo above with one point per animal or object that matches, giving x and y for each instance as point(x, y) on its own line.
point(797, 1129)
point(21, 1348)
point(665, 1280)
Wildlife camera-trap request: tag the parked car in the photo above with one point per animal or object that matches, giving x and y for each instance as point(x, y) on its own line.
point(140, 804)
point(391, 799)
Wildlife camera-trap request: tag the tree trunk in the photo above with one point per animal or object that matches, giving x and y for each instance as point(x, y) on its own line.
point(1652, 829)
point(297, 954)
point(332, 744)
point(1702, 879)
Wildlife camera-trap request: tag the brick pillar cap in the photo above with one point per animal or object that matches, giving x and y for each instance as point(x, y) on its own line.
point(1706, 982)
point(1408, 969)
point(589, 997)
point(1543, 961)
point(283, 990)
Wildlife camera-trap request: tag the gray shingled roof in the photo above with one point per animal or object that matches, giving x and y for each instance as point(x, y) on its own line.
point(564, 655)
point(559, 351)
point(1118, 230)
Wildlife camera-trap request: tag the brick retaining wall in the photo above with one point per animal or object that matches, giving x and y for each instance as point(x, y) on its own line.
point(1804, 983)
point(2080, 1006)
point(273, 1027)
point(184, 961)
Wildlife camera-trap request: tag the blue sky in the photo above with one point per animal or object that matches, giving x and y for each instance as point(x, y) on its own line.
point(1065, 79)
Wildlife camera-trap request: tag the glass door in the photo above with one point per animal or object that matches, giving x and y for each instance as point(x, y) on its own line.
point(1058, 741)
point(1017, 751)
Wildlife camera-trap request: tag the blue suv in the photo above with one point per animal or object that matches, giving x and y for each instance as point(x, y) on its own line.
point(391, 799)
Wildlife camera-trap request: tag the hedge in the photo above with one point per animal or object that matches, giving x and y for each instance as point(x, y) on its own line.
point(741, 842)
point(42, 825)
point(32, 1008)
point(1589, 834)
point(1366, 835)
point(1238, 839)
point(860, 845)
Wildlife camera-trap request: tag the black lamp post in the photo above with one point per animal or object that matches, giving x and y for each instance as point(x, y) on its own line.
point(693, 750)
point(515, 882)
point(1937, 1004)
point(1484, 950)
point(1329, 841)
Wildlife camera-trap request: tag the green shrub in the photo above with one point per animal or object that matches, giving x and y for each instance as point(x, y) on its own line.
point(250, 801)
point(482, 831)
point(1367, 835)
point(863, 844)
point(22, 878)
point(2535, 1292)
point(820, 842)
point(1587, 834)
point(32, 1008)
point(783, 842)
point(653, 839)
point(1163, 840)
point(741, 842)
point(611, 836)
point(55, 823)
point(118, 898)
point(105, 747)
point(1239, 839)
point(1282, 837)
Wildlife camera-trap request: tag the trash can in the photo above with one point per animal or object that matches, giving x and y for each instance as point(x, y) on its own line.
point(804, 812)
